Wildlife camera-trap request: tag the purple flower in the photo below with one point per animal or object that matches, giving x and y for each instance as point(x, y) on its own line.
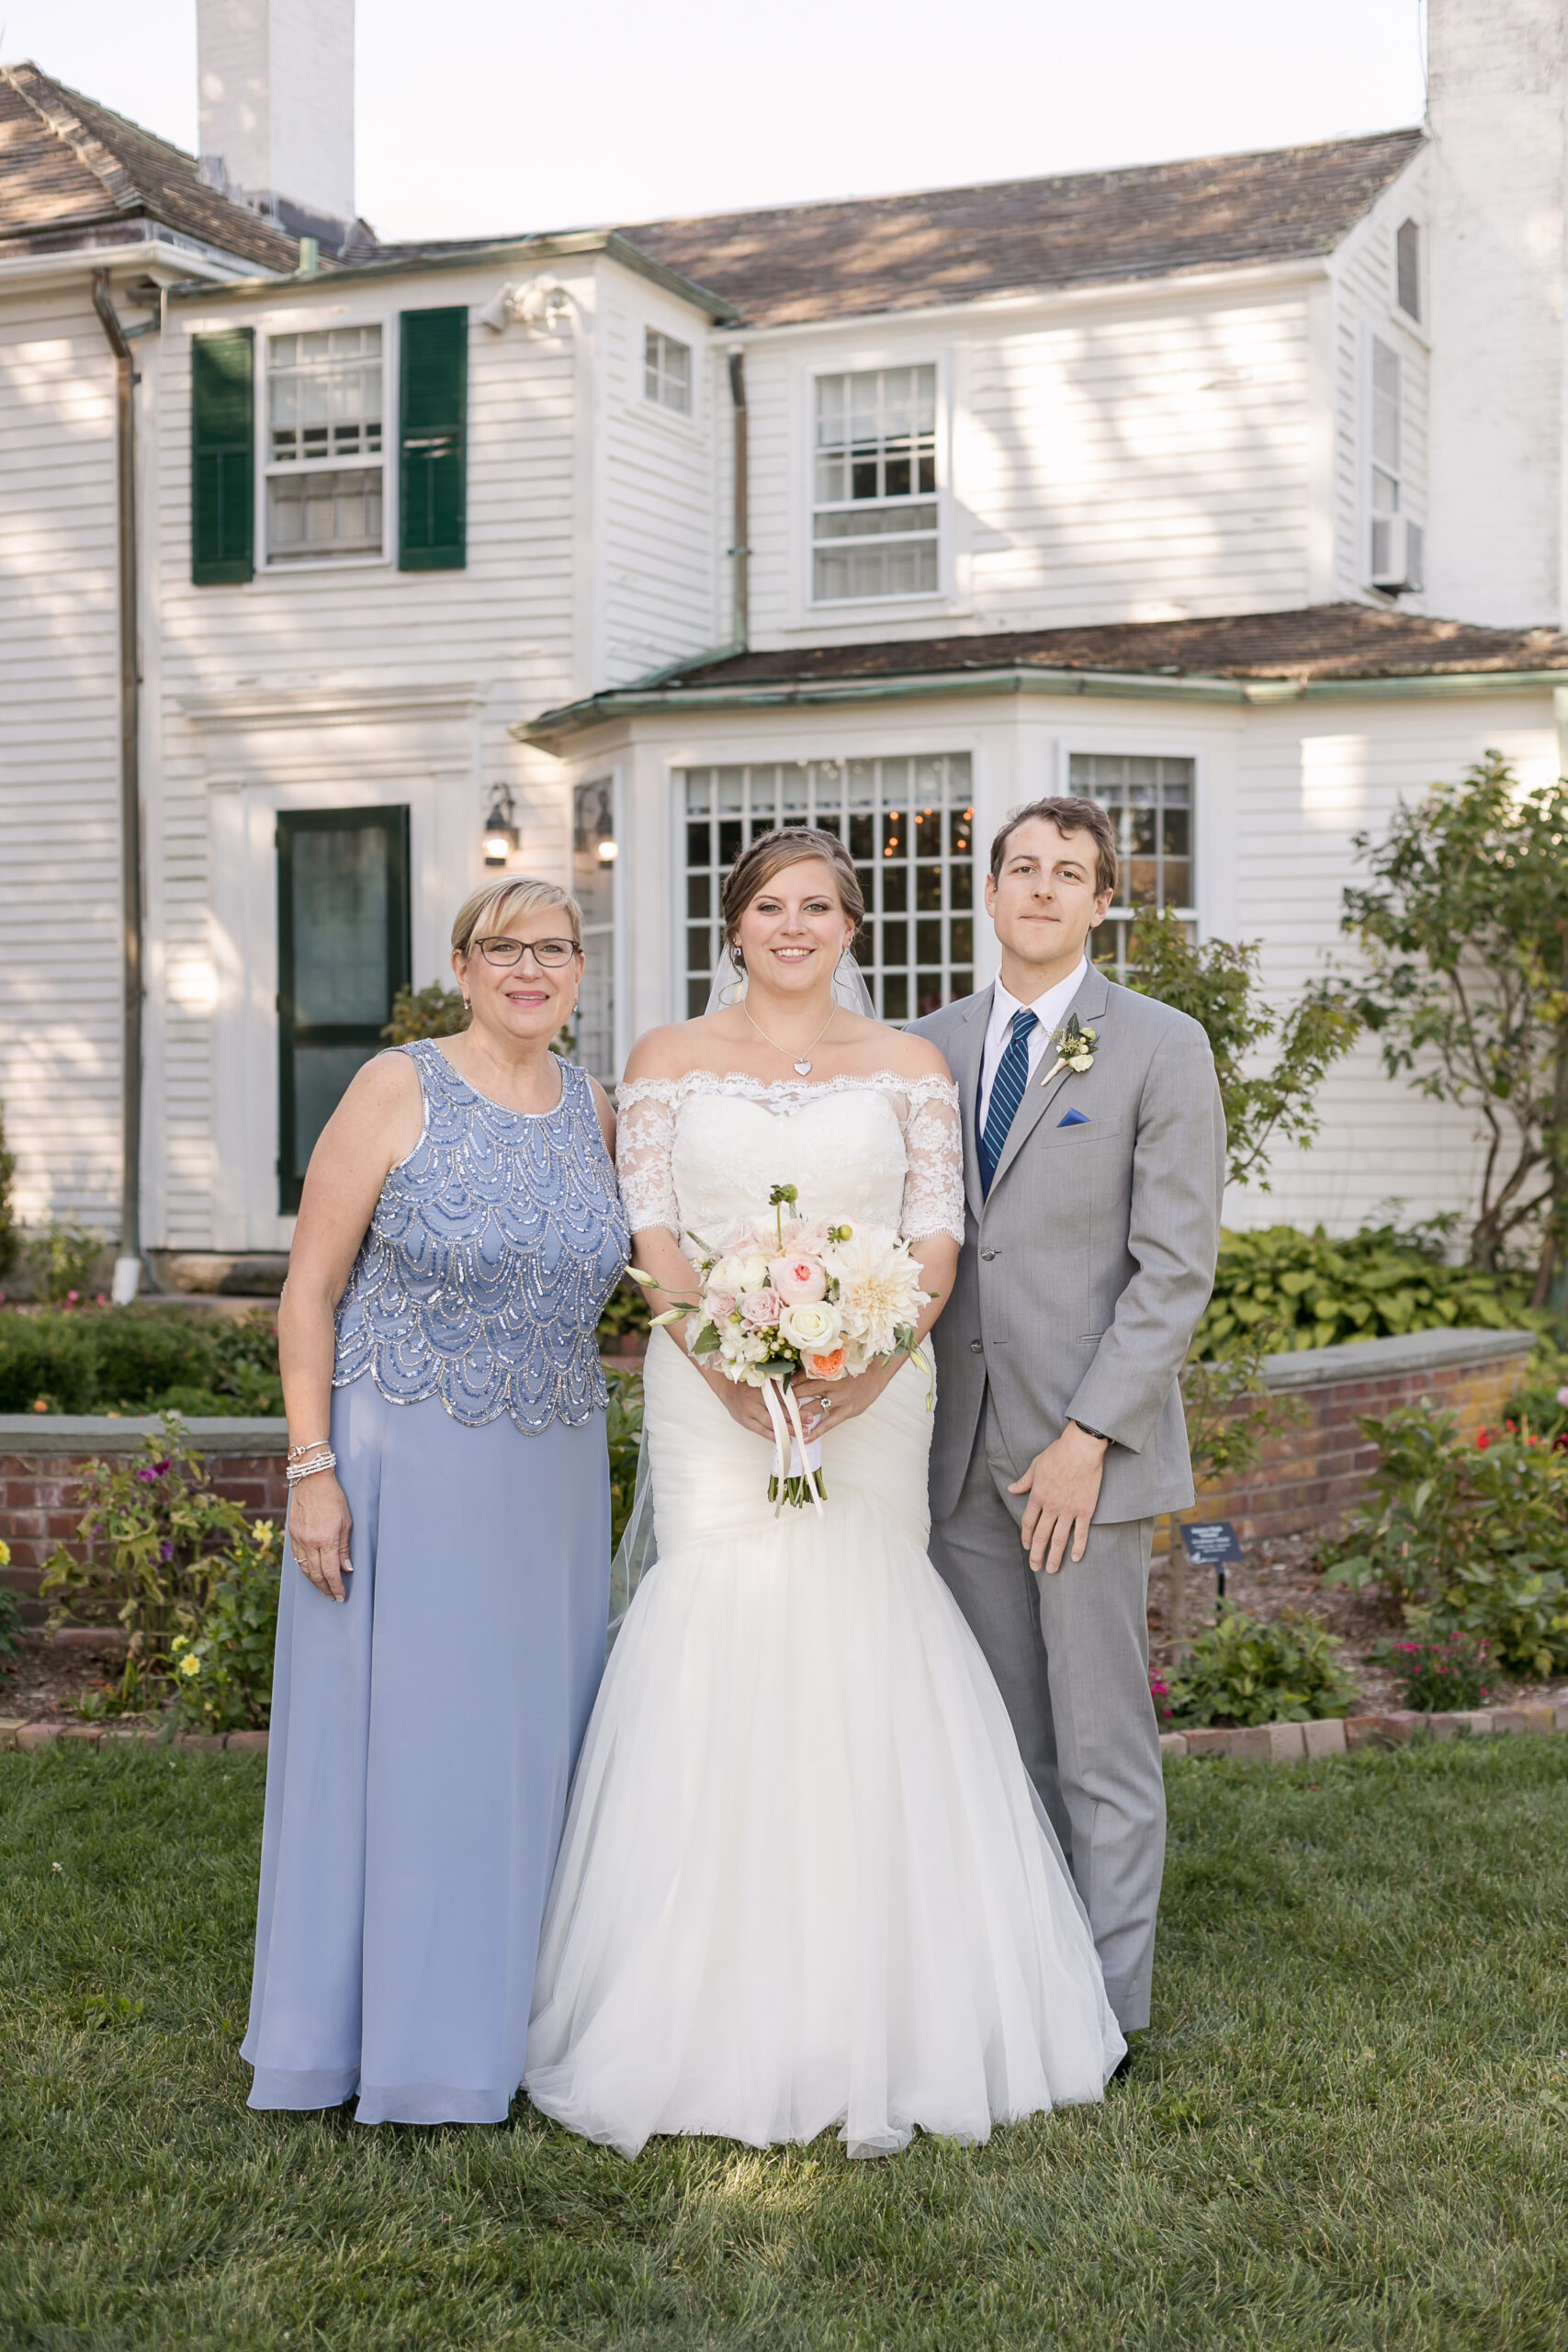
point(165, 1550)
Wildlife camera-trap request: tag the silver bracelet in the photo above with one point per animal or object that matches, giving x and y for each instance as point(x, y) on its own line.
point(298, 1470)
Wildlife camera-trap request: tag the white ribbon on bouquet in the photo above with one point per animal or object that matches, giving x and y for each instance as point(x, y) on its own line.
point(790, 1444)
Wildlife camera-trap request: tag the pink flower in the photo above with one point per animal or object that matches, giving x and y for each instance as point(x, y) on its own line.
point(1561, 1394)
point(720, 1304)
point(798, 1279)
point(759, 1308)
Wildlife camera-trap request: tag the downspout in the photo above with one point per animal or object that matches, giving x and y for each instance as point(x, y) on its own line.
point(740, 553)
point(128, 1266)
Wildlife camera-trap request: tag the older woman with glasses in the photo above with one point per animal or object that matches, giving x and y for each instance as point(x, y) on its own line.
point(446, 1577)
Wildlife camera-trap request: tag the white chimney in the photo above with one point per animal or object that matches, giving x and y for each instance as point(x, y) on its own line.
point(1497, 75)
point(277, 82)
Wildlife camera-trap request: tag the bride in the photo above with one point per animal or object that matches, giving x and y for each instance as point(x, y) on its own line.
point(805, 1879)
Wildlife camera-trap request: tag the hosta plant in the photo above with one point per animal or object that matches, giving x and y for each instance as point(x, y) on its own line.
point(1245, 1671)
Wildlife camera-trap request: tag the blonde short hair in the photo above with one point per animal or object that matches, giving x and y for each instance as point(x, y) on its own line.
point(496, 904)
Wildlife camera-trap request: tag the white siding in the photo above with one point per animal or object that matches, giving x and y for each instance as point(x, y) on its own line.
point(658, 595)
point(59, 969)
point(1364, 306)
point(1139, 460)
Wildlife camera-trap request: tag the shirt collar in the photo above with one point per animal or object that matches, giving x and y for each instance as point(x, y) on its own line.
point(1046, 1007)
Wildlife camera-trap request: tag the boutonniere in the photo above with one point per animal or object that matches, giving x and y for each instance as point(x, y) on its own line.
point(1075, 1050)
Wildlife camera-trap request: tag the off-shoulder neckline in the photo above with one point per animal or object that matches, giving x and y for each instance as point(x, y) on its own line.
point(741, 1082)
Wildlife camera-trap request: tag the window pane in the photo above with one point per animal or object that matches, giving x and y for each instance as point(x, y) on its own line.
point(875, 471)
point(593, 834)
point(1149, 800)
point(321, 1075)
point(324, 514)
point(341, 927)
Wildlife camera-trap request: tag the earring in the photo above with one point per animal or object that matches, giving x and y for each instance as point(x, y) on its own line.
point(468, 1004)
point(736, 957)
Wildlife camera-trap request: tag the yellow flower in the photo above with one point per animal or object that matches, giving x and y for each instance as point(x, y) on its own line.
point(5, 1555)
point(191, 1664)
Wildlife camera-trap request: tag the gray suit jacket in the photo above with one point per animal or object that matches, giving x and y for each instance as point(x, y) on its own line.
point(1084, 1273)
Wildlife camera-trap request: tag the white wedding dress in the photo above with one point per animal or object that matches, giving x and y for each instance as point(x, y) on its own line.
point(804, 1878)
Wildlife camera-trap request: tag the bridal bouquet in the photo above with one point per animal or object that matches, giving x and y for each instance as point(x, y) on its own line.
point(784, 1295)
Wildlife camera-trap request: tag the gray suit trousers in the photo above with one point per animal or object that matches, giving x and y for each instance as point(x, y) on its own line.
point(1070, 1654)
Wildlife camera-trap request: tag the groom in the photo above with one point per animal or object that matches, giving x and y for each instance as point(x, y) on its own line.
point(1093, 1227)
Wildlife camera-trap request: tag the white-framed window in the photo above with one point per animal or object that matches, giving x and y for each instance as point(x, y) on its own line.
point(873, 512)
point(323, 454)
point(910, 825)
point(1150, 802)
point(667, 371)
point(1394, 542)
point(1407, 268)
point(594, 850)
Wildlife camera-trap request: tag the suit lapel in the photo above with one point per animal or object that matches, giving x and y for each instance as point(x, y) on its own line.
point(964, 1053)
point(1089, 1004)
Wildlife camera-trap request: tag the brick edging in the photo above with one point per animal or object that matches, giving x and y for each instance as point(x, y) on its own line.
point(1340, 1735)
point(1271, 1743)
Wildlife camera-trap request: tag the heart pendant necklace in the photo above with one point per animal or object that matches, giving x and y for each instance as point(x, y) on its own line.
point(803, 1064)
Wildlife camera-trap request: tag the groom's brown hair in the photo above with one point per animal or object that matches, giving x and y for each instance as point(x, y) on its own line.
point(1069, 814)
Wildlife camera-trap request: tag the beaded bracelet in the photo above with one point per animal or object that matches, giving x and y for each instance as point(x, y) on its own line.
point(298, 1470)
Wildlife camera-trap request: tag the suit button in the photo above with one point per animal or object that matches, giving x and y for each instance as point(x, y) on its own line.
point(974, 1346)
point(988, 1255)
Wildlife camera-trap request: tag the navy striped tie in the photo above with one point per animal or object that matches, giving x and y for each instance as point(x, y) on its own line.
point(1006, 1094)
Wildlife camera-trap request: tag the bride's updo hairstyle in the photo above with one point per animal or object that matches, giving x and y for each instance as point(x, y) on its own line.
point(768, 857)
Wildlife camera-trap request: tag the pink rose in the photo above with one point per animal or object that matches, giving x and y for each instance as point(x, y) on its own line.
point(720, 1304)
point(759, 1308)
point(798, 1279)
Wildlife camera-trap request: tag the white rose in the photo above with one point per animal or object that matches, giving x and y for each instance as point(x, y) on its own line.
point(813, 1327)
point(740, 1271)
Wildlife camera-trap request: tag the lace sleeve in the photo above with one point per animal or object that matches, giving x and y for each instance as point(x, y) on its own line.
point(645, 1137)
point(933, 1147)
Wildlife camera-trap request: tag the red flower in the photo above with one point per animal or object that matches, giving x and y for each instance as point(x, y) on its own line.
point(1484, 1439)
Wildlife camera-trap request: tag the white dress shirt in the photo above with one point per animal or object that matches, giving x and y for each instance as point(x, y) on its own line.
point(1050, 1012)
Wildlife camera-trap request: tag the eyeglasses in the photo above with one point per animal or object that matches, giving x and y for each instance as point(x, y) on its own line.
point(548, 954)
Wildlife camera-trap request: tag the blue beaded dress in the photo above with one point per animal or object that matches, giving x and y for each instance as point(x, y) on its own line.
point(424, 1731)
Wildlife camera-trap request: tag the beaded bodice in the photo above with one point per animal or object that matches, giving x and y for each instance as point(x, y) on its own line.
point(492, 1252)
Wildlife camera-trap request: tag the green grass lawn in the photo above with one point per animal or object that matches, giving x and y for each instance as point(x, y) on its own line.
point(1349, 2127)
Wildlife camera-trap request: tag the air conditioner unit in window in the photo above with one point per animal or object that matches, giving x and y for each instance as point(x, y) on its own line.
point(1397, 555)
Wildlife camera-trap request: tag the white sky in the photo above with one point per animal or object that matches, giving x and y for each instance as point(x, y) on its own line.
point(487, 116)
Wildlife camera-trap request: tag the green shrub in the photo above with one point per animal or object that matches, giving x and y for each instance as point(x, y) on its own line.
point(1441, 1677)
point(155, 1544)
point(61, 1261)
point(10, 1234)
point(623, 1430)
point(1315, 1292)
point(1469, 1539)
point(1542, 1404)
point(435, 1011)
point(10, 1619)
point(222, 1673)
point(626, 1310)
point(138, 1360)
point(1247, 1672)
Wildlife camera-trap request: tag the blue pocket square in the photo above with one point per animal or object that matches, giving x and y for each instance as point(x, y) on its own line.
point(1074, 1119)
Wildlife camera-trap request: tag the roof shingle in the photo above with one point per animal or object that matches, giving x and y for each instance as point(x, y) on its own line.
point(68, 165)
point(897, 253)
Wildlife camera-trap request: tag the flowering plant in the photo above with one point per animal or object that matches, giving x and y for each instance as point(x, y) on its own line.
point(789, 1294)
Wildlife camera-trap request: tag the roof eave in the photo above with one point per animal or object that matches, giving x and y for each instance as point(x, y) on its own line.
point(553, 728)
point(569, 246)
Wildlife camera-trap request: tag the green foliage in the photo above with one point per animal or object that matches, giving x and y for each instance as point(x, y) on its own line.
point(1464, 934)
point(222, 1674)
point(61, 1260)
point(1542, 1404)
point(623, 1430)
point(1442, 1676)
point(10, 1233)
point(434, 1012)
point(1470, 1539)
point(1217, 983)
point(140, 1360)
point(10, 1621)
point(155, 1545)
point(627, 1310)
point(1243, 1671)
point(1230, 1414)
point(1313, 1292)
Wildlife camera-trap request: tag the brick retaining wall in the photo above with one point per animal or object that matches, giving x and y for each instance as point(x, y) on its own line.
point(1310, 1476)
point(41, 1464)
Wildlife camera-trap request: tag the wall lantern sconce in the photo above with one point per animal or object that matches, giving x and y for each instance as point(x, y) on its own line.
point(500, 829)
point(608, 853)
point(543, 304)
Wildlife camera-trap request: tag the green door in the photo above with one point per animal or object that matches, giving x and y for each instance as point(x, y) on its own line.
point(342, 954)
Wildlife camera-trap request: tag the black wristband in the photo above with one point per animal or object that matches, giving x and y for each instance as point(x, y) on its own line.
point(1088, 1433)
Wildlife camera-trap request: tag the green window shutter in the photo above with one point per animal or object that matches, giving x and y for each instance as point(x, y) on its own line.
point(223, 458)
point(433, 441)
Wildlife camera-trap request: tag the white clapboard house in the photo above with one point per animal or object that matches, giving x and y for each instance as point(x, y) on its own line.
point(1231, 491)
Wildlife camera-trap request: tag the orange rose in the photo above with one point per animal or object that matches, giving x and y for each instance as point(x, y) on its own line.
point(826, 1368)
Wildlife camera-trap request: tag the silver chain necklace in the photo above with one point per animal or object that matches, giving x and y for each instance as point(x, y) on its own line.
point(804, 1064)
